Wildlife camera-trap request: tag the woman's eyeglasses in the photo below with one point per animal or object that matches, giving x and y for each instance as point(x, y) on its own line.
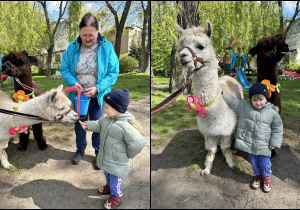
point(87, 37)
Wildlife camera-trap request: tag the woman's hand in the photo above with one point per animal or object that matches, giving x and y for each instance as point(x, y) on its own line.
point(91, 91)
point(77, 84)
point(272, 147)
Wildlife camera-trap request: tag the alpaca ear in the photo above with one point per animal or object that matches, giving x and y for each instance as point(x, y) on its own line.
point(60, 87)
point(34, 61)
point(25, 53)
point(180, 30)
point(208, 29)
point(254, 51)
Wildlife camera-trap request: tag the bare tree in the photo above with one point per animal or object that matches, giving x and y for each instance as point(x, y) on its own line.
point(51, 32)
point(187, 16)
point(296, 13)
point(119, 24)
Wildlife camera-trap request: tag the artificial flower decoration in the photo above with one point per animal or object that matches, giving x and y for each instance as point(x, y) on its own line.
point(194, 106)
point(20, 96)
point(271, 88)
point(21, 129)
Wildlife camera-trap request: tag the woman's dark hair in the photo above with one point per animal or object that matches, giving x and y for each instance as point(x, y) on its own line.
point(89, 20)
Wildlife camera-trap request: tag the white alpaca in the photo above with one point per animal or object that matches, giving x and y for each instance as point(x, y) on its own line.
point(219, 122)
point(51, 106)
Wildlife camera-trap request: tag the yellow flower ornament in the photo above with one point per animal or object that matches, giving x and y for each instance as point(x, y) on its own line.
point(20, 96)
point(271, 88)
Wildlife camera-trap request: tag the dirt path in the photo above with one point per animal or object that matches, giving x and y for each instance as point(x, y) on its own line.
point(47, 179)
point(176, 181)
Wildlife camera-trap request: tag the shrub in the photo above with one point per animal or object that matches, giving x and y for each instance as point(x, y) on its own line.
point(293, 66)
point(34, 70)
point(127, 63)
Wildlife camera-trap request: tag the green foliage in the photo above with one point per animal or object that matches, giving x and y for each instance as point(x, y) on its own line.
point(163, 33)
point(34, 70)
point(19, 23)
point(107, 23)
point(74, 18)
point(293, 66)
point(127, 63)
point(241, 20)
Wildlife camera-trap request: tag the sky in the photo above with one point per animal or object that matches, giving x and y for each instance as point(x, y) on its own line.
point(288, 8)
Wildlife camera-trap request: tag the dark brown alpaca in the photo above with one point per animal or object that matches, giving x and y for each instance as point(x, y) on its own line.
point(17, 65)
point(270, 50)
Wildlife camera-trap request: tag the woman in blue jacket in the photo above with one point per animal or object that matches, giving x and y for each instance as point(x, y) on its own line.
point(90, 63)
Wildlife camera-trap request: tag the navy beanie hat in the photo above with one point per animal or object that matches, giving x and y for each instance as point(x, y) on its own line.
point(117, 99)
point(258, 88)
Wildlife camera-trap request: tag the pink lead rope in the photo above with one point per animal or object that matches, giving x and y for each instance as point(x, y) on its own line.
point(69, 89)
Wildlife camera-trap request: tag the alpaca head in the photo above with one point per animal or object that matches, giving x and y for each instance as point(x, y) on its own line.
point(271, 48)
point(55, 105)
point(198, 39)
point(18, 60)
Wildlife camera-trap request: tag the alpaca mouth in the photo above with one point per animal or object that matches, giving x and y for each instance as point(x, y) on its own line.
point(184, 63)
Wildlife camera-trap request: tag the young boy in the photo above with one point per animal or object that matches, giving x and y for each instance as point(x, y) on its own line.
point(259, 130)
point(119, 141)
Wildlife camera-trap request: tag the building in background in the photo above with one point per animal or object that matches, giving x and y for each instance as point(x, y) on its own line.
point(293, 40)
point(130, 34)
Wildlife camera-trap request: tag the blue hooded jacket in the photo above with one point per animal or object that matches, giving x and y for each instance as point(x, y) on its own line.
point(107, 66)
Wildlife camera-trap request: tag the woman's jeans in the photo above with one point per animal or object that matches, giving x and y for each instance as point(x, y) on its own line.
point(94, 113)
point(261, 165)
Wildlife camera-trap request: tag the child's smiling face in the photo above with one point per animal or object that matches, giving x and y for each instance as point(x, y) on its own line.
point(258, 101)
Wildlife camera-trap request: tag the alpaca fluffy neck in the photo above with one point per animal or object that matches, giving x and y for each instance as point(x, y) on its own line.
point(206, 83)
point(269, 72)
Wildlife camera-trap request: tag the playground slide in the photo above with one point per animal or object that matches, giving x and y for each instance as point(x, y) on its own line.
point(4, 77)
point(243, 79)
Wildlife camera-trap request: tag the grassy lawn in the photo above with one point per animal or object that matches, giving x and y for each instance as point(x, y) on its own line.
point(138, 84)
point(174, 119)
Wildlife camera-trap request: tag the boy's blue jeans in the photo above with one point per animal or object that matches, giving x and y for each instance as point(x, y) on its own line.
point(94, 113)
point(261, 165)
point(114, 183)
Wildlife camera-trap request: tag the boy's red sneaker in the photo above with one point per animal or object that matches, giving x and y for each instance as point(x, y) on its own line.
point(113, 202)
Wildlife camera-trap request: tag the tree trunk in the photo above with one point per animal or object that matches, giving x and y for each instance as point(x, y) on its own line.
point(49, 59)
point(281, 16)
point(146, 49)
point(188, 16)
point(178, 74)
point(119, 25)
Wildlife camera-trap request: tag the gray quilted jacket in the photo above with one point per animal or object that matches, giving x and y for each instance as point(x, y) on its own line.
point(257, 130)
point(119, 141)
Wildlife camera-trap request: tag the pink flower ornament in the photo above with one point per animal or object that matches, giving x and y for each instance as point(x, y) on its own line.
point(21, 129)
point(194, 106)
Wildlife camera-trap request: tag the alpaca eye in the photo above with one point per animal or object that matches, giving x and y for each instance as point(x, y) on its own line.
point(200, 47)
point(61, 109)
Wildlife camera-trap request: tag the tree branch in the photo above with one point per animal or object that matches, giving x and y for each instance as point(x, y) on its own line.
point(293, 18)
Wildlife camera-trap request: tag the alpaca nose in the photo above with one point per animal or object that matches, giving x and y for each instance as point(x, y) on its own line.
point(183, 54)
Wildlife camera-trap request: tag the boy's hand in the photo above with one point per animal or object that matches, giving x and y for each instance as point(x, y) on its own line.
point(83, 124)
point(272, 147)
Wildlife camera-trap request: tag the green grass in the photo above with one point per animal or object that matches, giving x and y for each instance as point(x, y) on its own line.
point(138, 84)
point(175, 118)
point(160, 80)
